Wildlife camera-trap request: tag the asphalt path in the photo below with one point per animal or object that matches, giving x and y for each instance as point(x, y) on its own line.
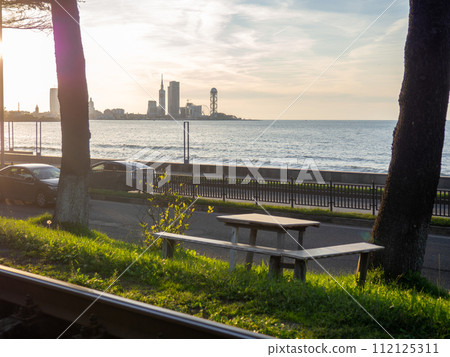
point(122, 221)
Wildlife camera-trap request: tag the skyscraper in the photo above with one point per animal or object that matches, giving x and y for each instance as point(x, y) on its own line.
point(162, 99)
point(174, 99)
point(54, 102)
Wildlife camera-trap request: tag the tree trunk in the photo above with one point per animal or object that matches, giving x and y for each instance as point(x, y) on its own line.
point(406, 208)
point(72, 203)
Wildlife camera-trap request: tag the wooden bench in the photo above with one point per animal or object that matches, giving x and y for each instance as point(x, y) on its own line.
point(276, 255)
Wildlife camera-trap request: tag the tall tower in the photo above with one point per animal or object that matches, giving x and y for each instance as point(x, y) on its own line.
point(54, 102)
point(91, 108)
point(162, 99)
point(174, 99)
point(213, 102)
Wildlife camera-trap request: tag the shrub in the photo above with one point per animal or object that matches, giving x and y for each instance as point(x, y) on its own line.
point(167, 212)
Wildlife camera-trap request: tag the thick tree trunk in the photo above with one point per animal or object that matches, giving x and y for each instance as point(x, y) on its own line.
point(73, 201)
point(406, 209)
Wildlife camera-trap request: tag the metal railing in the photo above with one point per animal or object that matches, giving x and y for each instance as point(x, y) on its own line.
point(328, 195)
point(51, 306)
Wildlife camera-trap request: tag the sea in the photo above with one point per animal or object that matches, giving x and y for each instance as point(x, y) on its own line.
point(339, 145)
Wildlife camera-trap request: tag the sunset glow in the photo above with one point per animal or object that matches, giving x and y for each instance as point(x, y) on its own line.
point(260, 56)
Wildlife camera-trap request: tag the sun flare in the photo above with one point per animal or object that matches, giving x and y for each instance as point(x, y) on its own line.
point(28, 72)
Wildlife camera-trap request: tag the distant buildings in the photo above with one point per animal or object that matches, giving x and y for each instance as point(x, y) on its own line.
point(54, 102)
point(93, 113)
point(117, 114)
point(174, 99)
point(155, 110)
point(193, 111)
point(190, 111)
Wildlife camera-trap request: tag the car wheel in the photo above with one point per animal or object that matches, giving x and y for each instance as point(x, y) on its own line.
point(41, 200)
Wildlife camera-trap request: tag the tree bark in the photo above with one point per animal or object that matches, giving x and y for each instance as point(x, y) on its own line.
point(72, 204)
point(406, 208)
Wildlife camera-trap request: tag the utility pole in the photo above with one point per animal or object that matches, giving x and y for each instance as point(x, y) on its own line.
point(2, 105)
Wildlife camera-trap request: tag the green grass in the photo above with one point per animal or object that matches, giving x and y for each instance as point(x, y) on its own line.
point(125, 194)
point(278, 208)
point(320, 308)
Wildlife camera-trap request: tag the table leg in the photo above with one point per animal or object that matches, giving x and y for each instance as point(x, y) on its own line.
point(300, 239)
point(280, 240)
point(300, 266)
point(252, 241)
point(234, 239)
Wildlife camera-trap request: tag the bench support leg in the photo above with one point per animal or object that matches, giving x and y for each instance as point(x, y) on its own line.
point(280, 245)
point(252, 242)
point(167, 248)
point(361, 271)
point(234, 239)
point(300, 268)
point(275, 269)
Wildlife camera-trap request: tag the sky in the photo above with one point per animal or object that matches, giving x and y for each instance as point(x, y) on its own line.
point(275, 59)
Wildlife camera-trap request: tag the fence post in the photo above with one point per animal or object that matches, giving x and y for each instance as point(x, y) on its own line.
point(223, 188)
point(292, 192)
point(373, 198)
point(331, 195)
point(256, 191)
point(165, 187)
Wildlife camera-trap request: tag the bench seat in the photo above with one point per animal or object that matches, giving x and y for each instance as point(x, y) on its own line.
point(275, 263)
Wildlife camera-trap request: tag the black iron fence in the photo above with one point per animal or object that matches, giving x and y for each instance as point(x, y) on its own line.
point(328, 195)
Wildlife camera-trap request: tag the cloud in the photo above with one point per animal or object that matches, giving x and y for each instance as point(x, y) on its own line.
point(255, 48)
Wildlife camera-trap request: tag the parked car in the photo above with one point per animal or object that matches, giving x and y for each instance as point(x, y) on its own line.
point(112, 175)
point(36, 183)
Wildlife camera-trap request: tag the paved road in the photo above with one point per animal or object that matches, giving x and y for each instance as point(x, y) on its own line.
point(121, 221)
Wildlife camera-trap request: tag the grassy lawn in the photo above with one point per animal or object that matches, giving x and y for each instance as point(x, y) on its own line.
point(411, 308)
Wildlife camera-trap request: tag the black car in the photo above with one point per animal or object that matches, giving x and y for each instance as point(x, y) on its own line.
point(119, 175)
point(36, 183)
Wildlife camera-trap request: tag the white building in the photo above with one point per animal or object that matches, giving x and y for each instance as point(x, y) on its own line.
point(151, 109)
point(54, 102)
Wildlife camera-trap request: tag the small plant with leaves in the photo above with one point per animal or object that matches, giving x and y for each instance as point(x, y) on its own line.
point(167, 212)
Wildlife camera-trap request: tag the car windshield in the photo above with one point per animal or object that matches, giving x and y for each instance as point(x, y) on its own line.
point(135, 165)
point(45, 173)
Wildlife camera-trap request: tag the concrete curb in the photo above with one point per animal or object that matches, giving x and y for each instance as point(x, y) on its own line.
point(354, 222)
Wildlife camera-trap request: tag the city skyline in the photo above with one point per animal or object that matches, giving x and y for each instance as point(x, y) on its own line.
point(269, 60)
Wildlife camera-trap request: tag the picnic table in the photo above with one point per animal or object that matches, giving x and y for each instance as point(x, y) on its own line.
point(279, 225)
point(258, 221)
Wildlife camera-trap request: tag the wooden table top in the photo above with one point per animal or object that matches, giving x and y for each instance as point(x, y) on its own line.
point(265, 221)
